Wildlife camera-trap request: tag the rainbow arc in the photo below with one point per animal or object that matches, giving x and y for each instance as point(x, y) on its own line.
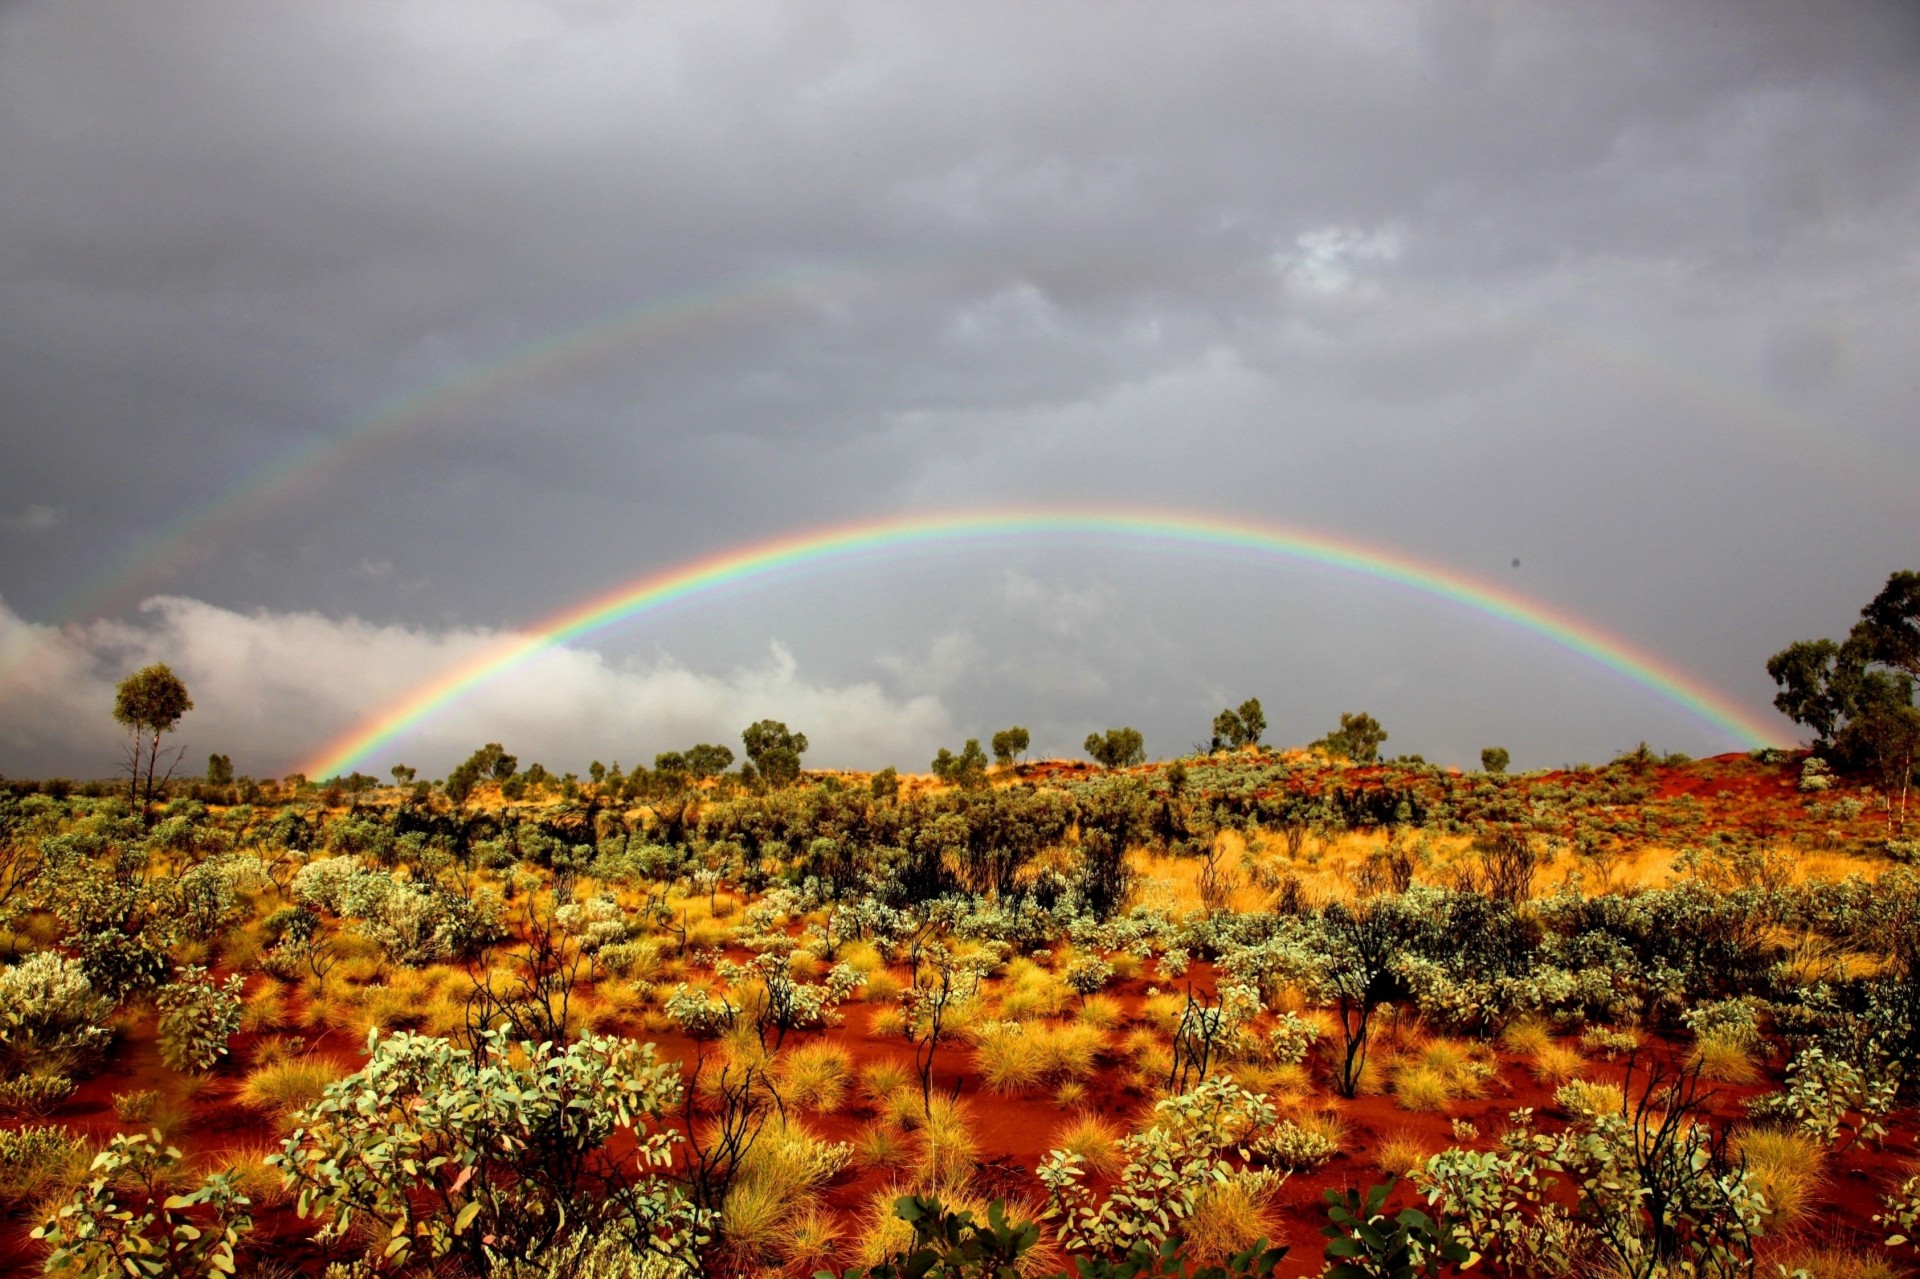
point(908, 534)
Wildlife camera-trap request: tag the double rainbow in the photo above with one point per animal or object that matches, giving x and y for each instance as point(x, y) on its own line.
point(905, 534)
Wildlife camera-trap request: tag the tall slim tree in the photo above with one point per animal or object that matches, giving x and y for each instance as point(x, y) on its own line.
point(149, 703)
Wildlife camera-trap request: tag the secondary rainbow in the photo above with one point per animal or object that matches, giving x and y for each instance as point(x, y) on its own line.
point(905, 534)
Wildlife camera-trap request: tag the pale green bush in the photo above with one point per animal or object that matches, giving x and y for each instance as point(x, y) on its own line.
point(1168, 1164)
point(124, 1220)
point(49, 1012)
point(197, 1018)
point(490, 1154)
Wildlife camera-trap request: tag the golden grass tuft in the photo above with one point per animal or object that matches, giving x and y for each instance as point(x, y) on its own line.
point(815, 1076)
point(1556, 1063)
point(1400, 1153)
point(1093, 1139)
point(882, 987)
point(1787, 1166)
point(287, 1085)
point(780, 1172)
point(259, 1182)
point(1835, 1263)
point(884, 1076)
point(948, 1146)
point(1526, 1037)
point(813, 1241)
point(1422, 1088)
point(1724, 1059)
point(1070, 1094)
point(1009, 1058)
point(881, 1145)
point(1230, 1215)
point(1101, 1012)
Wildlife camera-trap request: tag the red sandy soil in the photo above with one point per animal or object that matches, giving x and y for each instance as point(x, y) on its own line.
point(1014, 1133)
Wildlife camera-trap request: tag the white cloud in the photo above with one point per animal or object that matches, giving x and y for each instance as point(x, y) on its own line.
point(271, 689)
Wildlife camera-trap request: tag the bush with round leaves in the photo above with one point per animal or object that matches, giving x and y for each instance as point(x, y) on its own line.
point(123, 1221)
point(492, 1152)
point(197, 1018)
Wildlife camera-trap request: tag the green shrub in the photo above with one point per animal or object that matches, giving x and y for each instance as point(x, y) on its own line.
point(49, 1013)
point(197, 1018)
point(491, 1153)
point(148, 1232)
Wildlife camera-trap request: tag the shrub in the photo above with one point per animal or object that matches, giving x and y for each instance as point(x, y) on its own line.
point(197, 1018)
point(699, 1014)
point(1292, 1039)
point(1167, 1164)
point(1293, 1145)
point(489, 1153)
point(37, 1154)
point(1363, 1242)
point(1902, 1216)
point(153, 1233)
point(1088, 974)
point(48, 1013)
point(35, 1094)
point(1823, 1091)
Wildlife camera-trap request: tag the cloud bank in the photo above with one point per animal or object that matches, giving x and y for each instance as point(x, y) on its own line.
point(270, 689)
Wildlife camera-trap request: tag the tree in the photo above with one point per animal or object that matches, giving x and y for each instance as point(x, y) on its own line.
point(1358, 738)
point(220, 770)
point(490, 761)
point(1818, 684)
point(966, 770)
point(1889, 627)
point(775, 751)
point(709, 760)
point(1494, 759)
point(1117, 748)
point(1237, 728)
point(149, 702)
point(403, 775)
point(1009, 744)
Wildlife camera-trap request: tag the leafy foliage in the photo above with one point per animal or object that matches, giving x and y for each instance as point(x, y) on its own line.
point(149, 1233)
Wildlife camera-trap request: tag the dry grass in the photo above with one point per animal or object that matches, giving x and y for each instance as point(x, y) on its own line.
point(881, 1145)
point(1724, 1059)
point(255, 1179)
point(1009, 1059)
point(1555, 1063)
point(812, 1242)
point(1400, 1153)
point(1101, 1012)
point(1526, 1037)
point(784, 1168)
point(815, 1076)
point(1442, 1071)
point(1787, 1166)
point(882, 1077)
point(948, 1147)
point(1836, 1263)
point(1092, 1138)
point(1229, 1216)
point(286, 1086)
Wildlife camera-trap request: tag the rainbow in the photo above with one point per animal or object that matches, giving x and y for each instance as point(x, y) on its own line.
point(258, 492)
point(903, 534)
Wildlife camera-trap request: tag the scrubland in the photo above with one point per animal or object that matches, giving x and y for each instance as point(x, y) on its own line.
point(1653, 1017)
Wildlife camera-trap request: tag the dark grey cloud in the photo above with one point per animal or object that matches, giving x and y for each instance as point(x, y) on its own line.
point(1624, 290)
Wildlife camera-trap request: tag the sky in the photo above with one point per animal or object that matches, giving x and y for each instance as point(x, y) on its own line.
point(344, 342)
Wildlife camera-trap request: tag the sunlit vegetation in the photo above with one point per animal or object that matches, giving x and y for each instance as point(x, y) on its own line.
point(692, 1021)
